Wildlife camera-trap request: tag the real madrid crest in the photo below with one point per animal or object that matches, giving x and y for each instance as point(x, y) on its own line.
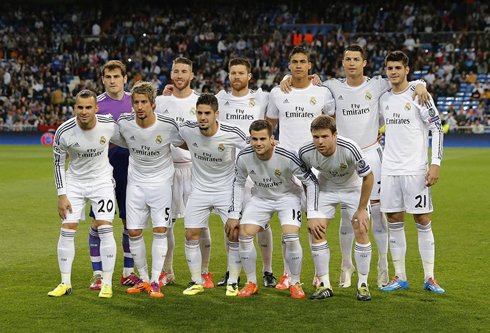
point(102, 140)
point(192, 111)
point(277, 173)
point(368, 95)
point(221, 147)
point(159, 139)
point(251, 102)
point(312, 101)
point(408, 106)
point(343, 166)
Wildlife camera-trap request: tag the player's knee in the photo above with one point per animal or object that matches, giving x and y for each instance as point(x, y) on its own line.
point(134, 232)
point(192, 234)
point(160, 230)
point(422, 219)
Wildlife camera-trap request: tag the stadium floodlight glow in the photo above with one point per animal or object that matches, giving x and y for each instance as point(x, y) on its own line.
point(144, 35)
point(129, 59)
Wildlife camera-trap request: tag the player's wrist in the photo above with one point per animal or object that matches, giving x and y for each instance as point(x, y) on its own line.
point(234, 216)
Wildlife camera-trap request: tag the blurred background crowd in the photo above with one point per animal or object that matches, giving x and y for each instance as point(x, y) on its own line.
point(50, 52)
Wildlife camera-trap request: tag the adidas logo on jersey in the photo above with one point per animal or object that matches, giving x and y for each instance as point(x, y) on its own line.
point(227, 103)
point(195, 144)
point(166, 111)
point(132, 138)
point(341, 98)
point(76, 145)
point(252, 172)
point(387, 107)
point(285, 101)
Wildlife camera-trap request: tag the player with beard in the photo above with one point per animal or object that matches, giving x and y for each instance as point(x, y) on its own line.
point(180, 104)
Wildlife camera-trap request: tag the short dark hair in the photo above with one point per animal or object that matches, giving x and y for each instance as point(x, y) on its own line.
point(85, 93)
point(323, 122)
point(182, 60)
point(240, 61)
point(114, 64)
point(299, 49)
point(208, 99)
point(259, 125)
point(397, 56)
point(356, 48)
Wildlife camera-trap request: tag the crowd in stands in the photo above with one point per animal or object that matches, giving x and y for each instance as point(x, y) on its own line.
point(50, 53)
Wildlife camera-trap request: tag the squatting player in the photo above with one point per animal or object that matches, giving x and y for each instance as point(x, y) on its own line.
point(114, 101)
point(212, 144)
point(241, 107)
point(357, 116)
point(406, 175)
point(89, 177)
point(341, 165)
point(271, 170)
point(149, 137)
point(295, 112)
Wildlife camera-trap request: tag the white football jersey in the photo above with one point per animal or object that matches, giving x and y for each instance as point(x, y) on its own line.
point(213, 158)
point(150, 161)
point(296, 111)
point(274, 178)
point(356, 108)
point(88, 152)
point(181, 110)
point(242, 111)
point(407, 134)
point(341, 170)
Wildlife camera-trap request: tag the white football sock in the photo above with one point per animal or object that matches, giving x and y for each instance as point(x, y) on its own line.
point(168, 265)
point(362, 254)
point(194, 260)
point(284, 258)
point(294, 256)
point(205, 241)
point(248, 256)
point(264, 239)
point(138, 251)
point(321, 259)
point(158, 253)
point(108, 251)
point(234, 262)
point(398, 247)
point(66, 254)
point(426, 249)
point(380, 233)
point(346, 235)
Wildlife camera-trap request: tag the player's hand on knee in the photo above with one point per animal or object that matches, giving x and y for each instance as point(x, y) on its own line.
point(63, 205)
point(361, 217)
point(231, 228)
point(286, 84)
point(432, 175)
point(317, 228)
point(168, 90)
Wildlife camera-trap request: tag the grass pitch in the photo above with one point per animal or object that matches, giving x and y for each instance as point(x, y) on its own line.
point(30, 229)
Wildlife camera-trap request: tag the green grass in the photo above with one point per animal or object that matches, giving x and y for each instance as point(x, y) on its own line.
point(29, 234)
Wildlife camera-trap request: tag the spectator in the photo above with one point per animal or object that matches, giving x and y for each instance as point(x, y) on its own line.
point(477, 127)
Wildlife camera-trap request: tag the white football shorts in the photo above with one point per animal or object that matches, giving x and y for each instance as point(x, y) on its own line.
point(405, 193)
point(101, 195)
point(259, 211)
point(374, 156)
point(181, 189)
point(329, 200)
point(145, 201)
point(201, 204)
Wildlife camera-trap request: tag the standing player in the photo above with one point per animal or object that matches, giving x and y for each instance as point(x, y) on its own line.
point(114, 101)
point(212, 145)
point(406, 177)
point(357, 117)
point(148, 136)
point(341, 163)
point(181, 106)
point(271, 170)
point(89, 177)
point(241, 107)
point(295, 112)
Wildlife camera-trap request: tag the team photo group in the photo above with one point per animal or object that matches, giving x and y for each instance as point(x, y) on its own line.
point(157, 158)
